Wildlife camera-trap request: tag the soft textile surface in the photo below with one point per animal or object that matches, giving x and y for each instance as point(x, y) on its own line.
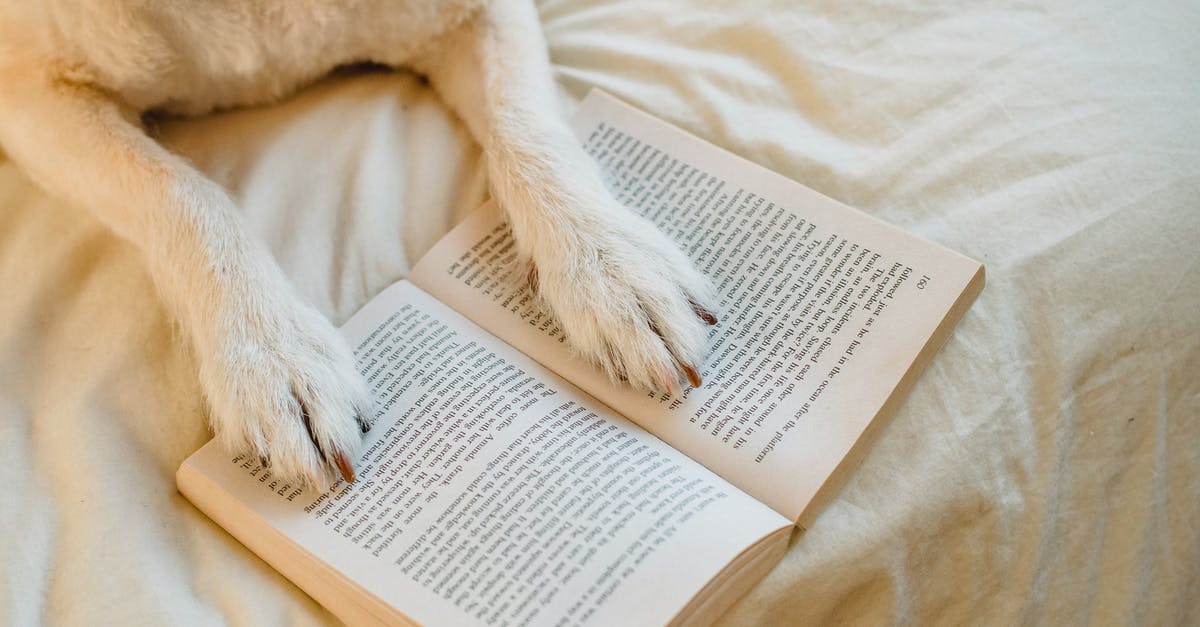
point(1045, 470)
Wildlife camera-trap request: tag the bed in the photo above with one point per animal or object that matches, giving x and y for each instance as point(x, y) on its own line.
point(1044, 471)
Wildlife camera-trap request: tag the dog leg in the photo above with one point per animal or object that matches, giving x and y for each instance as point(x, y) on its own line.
point(279, 379)
point(627, 298)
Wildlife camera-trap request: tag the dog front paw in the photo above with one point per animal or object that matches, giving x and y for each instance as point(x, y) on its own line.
point(282, 384)
point(628, 299)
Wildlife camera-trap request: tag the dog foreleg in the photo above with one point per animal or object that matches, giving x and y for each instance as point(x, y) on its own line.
point(627, 298)
point(278, 378)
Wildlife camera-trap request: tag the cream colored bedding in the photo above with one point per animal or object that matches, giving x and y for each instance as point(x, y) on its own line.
point(1046, 469)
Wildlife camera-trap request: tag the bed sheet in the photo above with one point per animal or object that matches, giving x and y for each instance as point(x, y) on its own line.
point(1044, 471)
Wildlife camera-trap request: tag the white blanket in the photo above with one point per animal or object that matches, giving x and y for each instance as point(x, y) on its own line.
point(1045, 470)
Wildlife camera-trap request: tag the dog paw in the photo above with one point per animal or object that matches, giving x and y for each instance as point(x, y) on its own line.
point(282, 384)
point(628, 299)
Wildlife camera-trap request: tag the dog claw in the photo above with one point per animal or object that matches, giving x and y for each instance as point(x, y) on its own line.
point(693, 377)
point(363, 425)
point(670, 383)
point(345, 467)
point(263, 461)
point(704, 314)
point(532, 277)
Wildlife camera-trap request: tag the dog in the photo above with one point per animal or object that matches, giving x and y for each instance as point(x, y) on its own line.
point(77, 78)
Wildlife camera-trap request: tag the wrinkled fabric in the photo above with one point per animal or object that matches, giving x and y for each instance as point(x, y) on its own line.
point(1045, 469)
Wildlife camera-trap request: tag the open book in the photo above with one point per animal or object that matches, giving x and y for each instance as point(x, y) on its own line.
point(507, 482)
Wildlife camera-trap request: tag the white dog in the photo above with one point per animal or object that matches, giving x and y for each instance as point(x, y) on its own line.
point(77, 75)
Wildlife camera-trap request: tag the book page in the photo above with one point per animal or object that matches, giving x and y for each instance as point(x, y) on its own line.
point(824, 311)
point(492, 491)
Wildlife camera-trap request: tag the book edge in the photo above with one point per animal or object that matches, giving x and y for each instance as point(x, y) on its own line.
point(599, 94)
point(888, 409)
point(734, 581)
point(325, 585)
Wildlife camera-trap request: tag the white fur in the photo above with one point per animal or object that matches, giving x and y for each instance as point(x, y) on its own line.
point(75, 75)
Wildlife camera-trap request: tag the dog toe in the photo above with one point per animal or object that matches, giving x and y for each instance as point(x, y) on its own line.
point(295, 399)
